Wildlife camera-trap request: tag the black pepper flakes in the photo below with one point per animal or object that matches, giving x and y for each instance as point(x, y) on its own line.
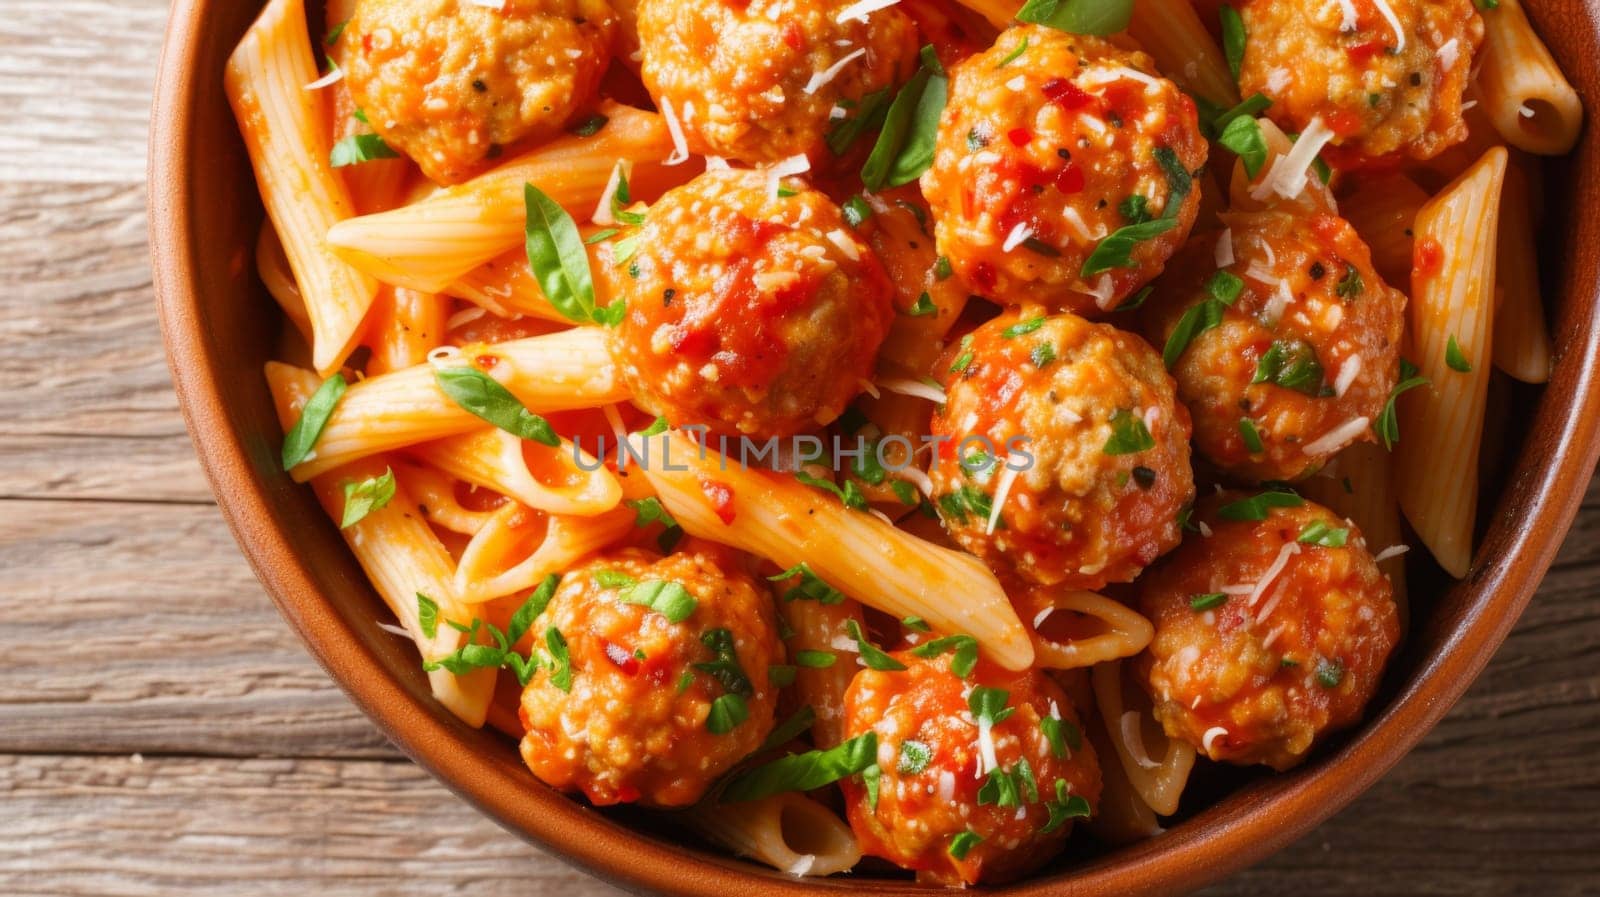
point(1318, 271)
point(479, 86)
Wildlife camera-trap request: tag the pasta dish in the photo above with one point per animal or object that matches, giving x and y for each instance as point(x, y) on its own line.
point(899, 434)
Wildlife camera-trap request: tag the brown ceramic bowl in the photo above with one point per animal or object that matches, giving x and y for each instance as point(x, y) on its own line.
point(204, 214)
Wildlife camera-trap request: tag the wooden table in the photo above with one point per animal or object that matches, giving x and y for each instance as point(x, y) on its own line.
point(163, 733)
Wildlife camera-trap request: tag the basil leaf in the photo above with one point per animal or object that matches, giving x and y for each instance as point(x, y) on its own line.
point(963, 843)
point(1024, 327)
point(1257, 507)
point(871, 655)
point(669, 599)
point(1243, 136)
point(856, 211)
point(905, 145)
point(815, 660)
point(427, 616)
point(789, 729)
point(1251, 436)
point(561, 670)
point(1387, 426)
point(361, 499)
point(1129, 435)
point(1233, 39)
point(781, 675)
point(484, 397)
point(590, 126)
point(1455, 359)
point(1013, 55)
point(725, 668)
point(358, 148)
point(1319, 532)
point(650, 510)
point(1061, 734)
point(804, 772)
point(538, 600)
point(728, 712)
point(614, 579)
point(809, 588)
point(302, 437)
point(968, 500)
point(869, 115)
point(914, 757)
point(1042, 355)
point(849, 495)
point(334, 32)
point(872, 778)
point(965, 649)
point(1096, 17)
point(1116, 250)
point(1329, 673)
point(1291, 364)
point(989, 704)
point(999, 790)
point(1065, 807)
point(922, 307)
point(558, 259)
point(1208, 601)
point(1252, 106)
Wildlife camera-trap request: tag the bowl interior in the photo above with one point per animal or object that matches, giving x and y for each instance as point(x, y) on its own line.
point(217, 321)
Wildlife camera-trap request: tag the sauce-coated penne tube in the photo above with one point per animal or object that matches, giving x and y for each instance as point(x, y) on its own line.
point(787, 522)
point(1521, 339)
point(1524, 92)
point(556, 479)
point(1452, 305)
point(789, 832)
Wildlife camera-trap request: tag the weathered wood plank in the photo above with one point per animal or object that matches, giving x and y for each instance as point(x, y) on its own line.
point(75, 79)
point(138, 627)
point(167, 827)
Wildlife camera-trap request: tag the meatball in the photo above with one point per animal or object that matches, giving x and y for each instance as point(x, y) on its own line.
point(1269, 633)
point(1078, 425)
point(1380, 92)
point(1050, 143)
point(450, 82)
point(759, 81)
point(751, 310)
point(980, 778)
point(1304, 351)
point(666, 688)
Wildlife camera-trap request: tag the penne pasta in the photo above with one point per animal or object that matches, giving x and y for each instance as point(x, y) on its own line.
point(558, 479)
point(1074, 628)
point(518, 547)
point(403, 327)
point(281, 123)
point(1360, 487)
point(1122, 816)
point(789, 832)
point(437, 498)
point(1172, 33)
point(1522, 90)
point(272, 266)
point(786, 522)
point(403, 559)
point(1521, 339)
point(1158, 776)
point(822, 628)
point(1441, 425)
point(430, 244)
point(557, 372)
point(1383, 211)
point(506, 286)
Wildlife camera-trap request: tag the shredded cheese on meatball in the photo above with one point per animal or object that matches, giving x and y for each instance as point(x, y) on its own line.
point(1224, 251)
point(1210, 738)
point(1291, 172)
point(1348, 372)
point(828, 74)
point(680, 146)
point(1002, 491)
point(1394, 22)
point(1337, 438)
point(916, 388)
point(1288, 550)
point(859, 10)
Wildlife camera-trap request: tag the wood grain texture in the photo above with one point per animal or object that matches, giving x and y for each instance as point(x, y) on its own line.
point(132, 625)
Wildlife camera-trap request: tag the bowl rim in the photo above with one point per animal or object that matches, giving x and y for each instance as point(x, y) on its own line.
point(1215, 842)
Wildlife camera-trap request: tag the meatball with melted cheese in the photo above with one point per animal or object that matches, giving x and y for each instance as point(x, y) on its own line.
point(751, 310)
point(1378, 90)
point(1063, 453)
point(1305, 346)
point(759, 81)
point(1269, 633)
point(665, 685)
point(1049, 144)
point(980, 778)
point(450, 82)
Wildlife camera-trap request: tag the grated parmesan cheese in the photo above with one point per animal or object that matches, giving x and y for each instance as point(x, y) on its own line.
point(796, 164)
point(1337, 438)
point(1002, 490)
point(1449, 52)
point(859, 10)
point(1393, 551)
point(680, 146)
point(602, 210)
point(1348, 372)
point(1212, 734)
point(1017, 237)
point(397, 630)
point(821, 78)
point(1352, 19)
point(916, 388)
point(1291, 172)
point(1394, 22)
point(1288, 550)
point(1224, 250)
point(334, 76)
point(1281, 297)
